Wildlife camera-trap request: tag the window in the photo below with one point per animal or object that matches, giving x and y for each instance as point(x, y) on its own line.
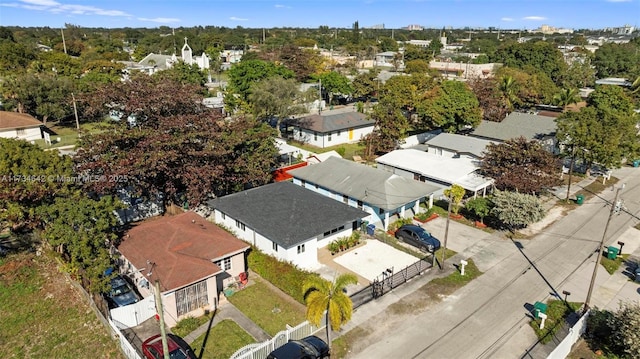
point(315, 136)
point(327, 233)
point(360, 204)
point(274, 245)
point(380, 211)
point(345, 198)
point(301, 248)
point(316, 186)
point(191, 298)
point(338, 133)
point(240, 225)
point(329, 137)
point(224, 216)
point(224, 264)
point(303, 183)
point(21, 132)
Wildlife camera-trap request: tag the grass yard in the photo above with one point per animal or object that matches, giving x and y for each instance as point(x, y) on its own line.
point(223, 340)
point(44, 316)
point(267, 309)
point(557, 311)
point(346, 150)
point(612, 265)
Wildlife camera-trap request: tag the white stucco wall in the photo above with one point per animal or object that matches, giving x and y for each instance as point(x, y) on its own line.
point(27, 134)
point(337, 137)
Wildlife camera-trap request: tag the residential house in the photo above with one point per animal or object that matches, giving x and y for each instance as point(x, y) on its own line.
point(330, 128)
point(286, 221)
point(464, 70)
point(438, 167)
point(156, 62)
point(191, 258)
point(386, 58)
point(517, 124)
point(383, 195)
point(20, 126)
point(452, 145)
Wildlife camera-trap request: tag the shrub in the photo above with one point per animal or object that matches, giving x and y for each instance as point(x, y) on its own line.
point(283, 275)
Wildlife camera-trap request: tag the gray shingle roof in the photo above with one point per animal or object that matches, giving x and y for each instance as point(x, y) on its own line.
point(377, 187)
point(332, 121)
point(286, 213)
point(515, 125)
point(459, 143)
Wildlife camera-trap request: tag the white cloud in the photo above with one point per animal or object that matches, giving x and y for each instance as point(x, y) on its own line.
point(279, 6)
point(507, 19)
point(59, 8)
point(534, 18)
point(162, 20)
point(234, 18)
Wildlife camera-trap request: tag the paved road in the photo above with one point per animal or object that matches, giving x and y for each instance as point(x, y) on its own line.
point(489, 317)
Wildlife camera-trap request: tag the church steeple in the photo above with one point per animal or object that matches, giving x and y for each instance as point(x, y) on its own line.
point(186, 53)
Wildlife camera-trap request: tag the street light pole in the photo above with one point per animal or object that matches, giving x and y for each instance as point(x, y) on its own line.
point(597, 263)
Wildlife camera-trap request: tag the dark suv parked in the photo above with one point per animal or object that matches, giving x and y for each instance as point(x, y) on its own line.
point(310, 347)
point(418, 237)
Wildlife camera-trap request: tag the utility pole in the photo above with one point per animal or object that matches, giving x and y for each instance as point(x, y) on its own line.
point(573, 157)
point(64, 44)
point(163, 331)
point(446, 234)
point(597, 263)
point(75, 112)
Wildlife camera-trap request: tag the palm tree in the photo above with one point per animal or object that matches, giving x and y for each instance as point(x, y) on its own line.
point(635, 87)
point(566, 97)
point(322, 295)
point(507, 86)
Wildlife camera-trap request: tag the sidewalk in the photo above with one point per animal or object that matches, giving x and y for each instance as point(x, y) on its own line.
point(229, 311)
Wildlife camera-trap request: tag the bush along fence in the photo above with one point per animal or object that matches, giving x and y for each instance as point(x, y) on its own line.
point(387, 281)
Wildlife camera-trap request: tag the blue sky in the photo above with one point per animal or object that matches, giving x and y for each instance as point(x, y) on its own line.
point(513, 14)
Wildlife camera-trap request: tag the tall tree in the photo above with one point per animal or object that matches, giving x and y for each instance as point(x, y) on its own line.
point(81, 228)
point(451, 106)
point(390, 128)
point(566, 97)
point(615, 331)
point(540, 55)
point(29, 178)
point(492, 104)
point(242, 75)
point(520, 165)
point(604, 132)
point(322, 295)
point(174, 146)
point(334, 83)
point(43, 96)
point(276, 98)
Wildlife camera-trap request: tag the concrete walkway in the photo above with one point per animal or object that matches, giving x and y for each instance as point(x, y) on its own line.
point(229, 311)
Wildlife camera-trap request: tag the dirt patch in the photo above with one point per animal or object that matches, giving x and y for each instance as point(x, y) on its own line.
point(581, 350)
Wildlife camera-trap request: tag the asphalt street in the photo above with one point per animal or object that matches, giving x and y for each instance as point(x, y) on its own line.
point(488, 318)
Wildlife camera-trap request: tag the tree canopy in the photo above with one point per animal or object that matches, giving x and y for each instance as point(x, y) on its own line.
point(604, 132)
point(276, 98)
point(175, 147)
point(242, 75)
point(451, 106)
point(520, 165)
point(540, 55)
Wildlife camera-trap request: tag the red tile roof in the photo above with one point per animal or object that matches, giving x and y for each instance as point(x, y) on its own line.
point(183, 248)
point(12, 120)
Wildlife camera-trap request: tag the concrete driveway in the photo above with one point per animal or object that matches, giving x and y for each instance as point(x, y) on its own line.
point(374, 258)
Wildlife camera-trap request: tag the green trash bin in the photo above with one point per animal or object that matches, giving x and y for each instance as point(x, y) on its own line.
point(612, 252)
point(580, 199)
point(539, 307)
point(636, 163)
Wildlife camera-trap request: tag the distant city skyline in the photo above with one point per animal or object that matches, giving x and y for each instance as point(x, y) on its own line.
point(505, 14)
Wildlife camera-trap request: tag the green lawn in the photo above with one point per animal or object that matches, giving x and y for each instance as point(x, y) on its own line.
point(44, 316)
point(266, 308)
point(224, 339)
point(557, 311)
point(346, 150)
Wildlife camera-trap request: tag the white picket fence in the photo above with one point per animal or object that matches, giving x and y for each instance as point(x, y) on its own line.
point(127, 348)
point(133, 314)
point(261, 350)
point(564, 348)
